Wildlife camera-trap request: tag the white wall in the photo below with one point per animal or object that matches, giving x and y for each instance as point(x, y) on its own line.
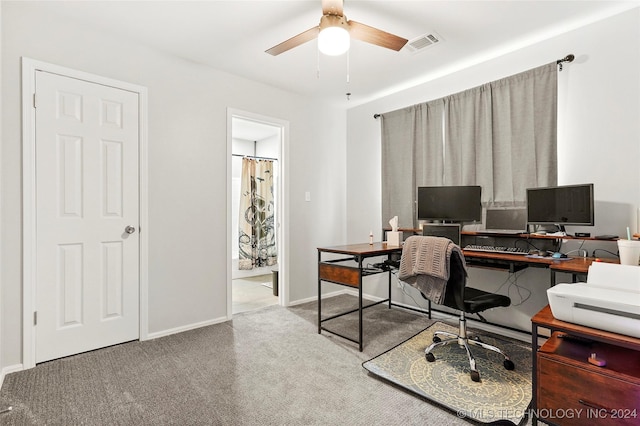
point(1, 202)
point(598, 141)
point(187, 169)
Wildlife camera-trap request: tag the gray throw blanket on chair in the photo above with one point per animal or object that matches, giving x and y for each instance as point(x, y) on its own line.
point(425, 265)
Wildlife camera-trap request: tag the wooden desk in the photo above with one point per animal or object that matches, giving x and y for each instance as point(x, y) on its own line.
point(564, 382)
point(515, 262)
point(336, 272)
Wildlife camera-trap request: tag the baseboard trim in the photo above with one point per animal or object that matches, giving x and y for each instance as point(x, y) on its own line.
point(184, 328)
point(324, 295)
point(8, 370)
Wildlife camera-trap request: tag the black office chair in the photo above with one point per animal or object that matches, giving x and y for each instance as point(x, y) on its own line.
point(467, 300)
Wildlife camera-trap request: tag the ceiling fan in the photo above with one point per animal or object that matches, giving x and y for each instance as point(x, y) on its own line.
point(334, 32)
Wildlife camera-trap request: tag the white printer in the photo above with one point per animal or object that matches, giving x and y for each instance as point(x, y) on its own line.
point(609, 300)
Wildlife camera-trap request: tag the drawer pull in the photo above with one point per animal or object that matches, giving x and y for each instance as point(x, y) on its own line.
point(591, 405)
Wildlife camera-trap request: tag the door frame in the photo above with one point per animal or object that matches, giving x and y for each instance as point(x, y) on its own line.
point(29, 69)
point(282, 207)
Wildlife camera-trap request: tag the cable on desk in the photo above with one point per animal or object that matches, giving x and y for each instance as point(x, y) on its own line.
point(579, 249)
point(527, 244)
point(584, 252)
point(606, 251)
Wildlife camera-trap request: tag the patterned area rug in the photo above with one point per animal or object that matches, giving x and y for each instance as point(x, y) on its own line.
point(501, 397)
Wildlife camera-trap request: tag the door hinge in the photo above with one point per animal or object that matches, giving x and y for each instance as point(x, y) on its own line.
point(35, 318)
point(34, 100)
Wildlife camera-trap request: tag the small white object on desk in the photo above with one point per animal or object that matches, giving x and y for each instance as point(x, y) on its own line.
point(629, 251)
point(394, 238)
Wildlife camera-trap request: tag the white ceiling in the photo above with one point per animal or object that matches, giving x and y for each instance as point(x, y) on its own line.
point(233, 35)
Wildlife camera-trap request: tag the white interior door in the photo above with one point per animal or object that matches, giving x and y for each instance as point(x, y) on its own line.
point(87, 218)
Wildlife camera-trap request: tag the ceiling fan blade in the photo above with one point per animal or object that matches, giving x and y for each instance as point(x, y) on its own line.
point(332, 7)
point(294, 41)
point(375, 36)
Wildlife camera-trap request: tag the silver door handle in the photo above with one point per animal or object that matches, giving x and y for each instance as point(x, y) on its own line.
point(130, 229)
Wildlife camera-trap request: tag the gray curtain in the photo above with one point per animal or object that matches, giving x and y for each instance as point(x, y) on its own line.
point(468, 138)
point(412, 153)
point(501, 136)
point(524, 115)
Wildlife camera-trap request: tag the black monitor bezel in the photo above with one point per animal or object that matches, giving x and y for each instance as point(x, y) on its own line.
point(475, 217)
point(559, 221)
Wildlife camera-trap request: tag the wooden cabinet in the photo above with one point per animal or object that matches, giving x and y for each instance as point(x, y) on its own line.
point(568, 390)
point(570, 387)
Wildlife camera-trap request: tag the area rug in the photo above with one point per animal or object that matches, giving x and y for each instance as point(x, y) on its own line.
point(501, 397)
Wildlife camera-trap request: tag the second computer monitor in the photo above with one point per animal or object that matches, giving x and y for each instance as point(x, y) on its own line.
point(446, 230)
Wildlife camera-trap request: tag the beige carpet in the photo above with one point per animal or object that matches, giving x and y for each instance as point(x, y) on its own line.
point(501, 396)
point(268, 367)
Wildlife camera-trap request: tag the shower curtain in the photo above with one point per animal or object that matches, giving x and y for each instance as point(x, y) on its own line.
point(256, 233)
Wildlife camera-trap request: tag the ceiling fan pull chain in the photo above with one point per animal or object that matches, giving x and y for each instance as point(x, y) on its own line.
point(318, 64)
point(348, 64)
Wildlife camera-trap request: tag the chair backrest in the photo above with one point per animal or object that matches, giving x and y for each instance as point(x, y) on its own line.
point(454, 295)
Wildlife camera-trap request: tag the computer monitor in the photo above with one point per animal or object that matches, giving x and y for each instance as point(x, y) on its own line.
point(446, 230)
point(561, 205)
point(450, 203)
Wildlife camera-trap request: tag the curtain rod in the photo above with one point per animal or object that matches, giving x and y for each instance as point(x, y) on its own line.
point(253, 156)
point(569, 58)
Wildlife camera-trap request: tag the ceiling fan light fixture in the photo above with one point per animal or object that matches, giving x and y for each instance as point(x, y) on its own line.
point(333, 39)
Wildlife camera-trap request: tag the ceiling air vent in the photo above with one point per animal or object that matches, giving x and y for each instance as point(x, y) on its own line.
point(420, 43)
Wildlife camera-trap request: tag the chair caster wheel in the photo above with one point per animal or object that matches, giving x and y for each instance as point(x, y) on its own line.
point(436, 339)
point(508, 364)
point(430, 357)
point(475, 376)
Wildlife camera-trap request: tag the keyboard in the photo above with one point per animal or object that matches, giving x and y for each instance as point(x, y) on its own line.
point(496, 249)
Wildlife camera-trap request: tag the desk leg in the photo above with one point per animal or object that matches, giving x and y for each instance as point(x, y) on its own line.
point(534, 368)
point(389, 272)
point(360, 304)
point(319, 295)
point(552, 276)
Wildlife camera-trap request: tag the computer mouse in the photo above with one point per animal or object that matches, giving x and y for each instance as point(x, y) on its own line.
point(558, 255)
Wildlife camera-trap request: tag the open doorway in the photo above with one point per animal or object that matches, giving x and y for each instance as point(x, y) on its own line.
point(255, 243)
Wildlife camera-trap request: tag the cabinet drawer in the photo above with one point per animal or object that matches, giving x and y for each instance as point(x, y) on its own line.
point(575, 396)
point(339, 274)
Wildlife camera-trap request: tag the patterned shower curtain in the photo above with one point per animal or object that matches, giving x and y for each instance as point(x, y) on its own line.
point(256, 233)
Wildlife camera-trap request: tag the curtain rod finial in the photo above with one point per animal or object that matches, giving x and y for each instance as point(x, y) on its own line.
point(569, 58)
